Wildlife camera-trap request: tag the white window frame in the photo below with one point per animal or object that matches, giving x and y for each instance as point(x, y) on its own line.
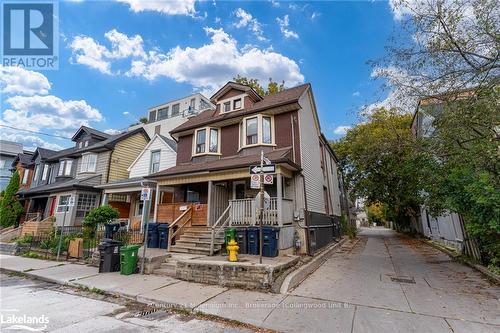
point(45, 172)
point(207, 141)
point(85, 165)
point(231, 101)
point(60, 203)
point(26, 176)
point(37, 172)
point(62, 164)
point(86, 143)
point(67, 167)
point(152, 162)
point(242, 138)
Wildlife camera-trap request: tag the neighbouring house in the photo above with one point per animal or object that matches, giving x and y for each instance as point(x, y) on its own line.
point(165, 117)
point(447, 228)
point(95, 158)
point(210, 184)
point(8, 152)
point(23, 165)
point(124, 195)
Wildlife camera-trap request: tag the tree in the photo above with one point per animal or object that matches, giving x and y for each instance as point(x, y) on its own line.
point(272, 86)
point(143, 120)
point(10, 208)
point(381, 163)
point(100, 215)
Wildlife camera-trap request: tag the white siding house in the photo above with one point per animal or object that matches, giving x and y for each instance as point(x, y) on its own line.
point(143, 165)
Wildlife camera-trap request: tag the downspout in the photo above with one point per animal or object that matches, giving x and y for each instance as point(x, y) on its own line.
point(306, 220)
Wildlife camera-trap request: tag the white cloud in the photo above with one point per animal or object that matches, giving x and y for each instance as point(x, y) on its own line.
point(17, 80)
point(30, 141)
point(86, 51)
point(124, 46)
point(213, 64)
point(247, 20)
point(315, 15)
point(168, 7)
point(217, 19)
point(275, 3)
point(356, 94)
point(341, 130)
point(125, 113)
point(112, 131)
point(284, 24)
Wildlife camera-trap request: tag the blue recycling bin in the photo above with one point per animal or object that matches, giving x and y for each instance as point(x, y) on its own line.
point(253, 240)
point(110, 229)
point(153, 240)
point(270, 236)
point(163, 235)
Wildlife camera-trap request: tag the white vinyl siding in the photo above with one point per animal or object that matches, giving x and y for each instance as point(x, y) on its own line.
point(141, 166)
point(311, 156)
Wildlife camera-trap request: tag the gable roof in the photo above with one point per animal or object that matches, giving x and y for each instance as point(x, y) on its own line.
point(169, 142)
point(238, 86)
point(91, 131)
point(166, 141)
point(287, 96)
point(43, 152)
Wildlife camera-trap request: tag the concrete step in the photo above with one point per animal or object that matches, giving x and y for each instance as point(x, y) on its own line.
point(190, 249)
point(205, 245)
point(200, 239)
point(164, 272)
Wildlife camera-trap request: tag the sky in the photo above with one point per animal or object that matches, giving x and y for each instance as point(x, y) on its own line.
point(118, 58)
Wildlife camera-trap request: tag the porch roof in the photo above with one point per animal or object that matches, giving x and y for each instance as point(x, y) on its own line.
point(129, 182)
point(85, 183)
point(282, 155)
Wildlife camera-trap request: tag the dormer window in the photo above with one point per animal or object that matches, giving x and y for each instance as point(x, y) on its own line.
point(231, 104)
point(256, 130)
point(87, 143)
point(227, 106)
point(237, 104)
point(65, 168)
point(80, 145)
point(206, 141)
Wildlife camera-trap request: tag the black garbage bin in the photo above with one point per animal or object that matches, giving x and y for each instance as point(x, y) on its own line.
point(153, 240)
point(109, 255)
point(270, 236)
point(110, 229)
point(253, 240)
point(241, 238)
point(162, 235)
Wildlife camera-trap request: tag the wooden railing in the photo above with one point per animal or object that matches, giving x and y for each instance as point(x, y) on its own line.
point(33, 217)
point(180, 222)
point(243, 212)
point(218, 226)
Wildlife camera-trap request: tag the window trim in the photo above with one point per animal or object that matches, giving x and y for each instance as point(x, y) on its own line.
point(45, 172)
point(26, 173)
point(237, 100)
point(231, 101)
point(178, 111)
point(151, 161)
point(242, 138)
point(82, 164)
point(208, 131)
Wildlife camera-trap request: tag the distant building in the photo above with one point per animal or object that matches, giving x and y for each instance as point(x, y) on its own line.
point(167, 116)
point(8, 152)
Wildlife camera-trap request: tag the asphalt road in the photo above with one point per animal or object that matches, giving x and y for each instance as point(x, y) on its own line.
point(41, 306)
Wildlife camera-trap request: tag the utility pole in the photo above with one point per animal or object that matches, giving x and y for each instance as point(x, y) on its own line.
point(61, 233)
point(261, 216)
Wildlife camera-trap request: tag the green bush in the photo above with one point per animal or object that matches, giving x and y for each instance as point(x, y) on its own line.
point(10, 208)
point(25, 240)
point(348, 229)
point(100, 215)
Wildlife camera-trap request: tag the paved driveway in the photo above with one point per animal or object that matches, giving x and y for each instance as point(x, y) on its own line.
point(390, 283)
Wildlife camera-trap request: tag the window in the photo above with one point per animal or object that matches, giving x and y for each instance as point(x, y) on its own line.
point(237, 104)
point(139, 208)
point(87, 143)
point(204, 104)
point(67, 169)
point(86, 202)
point(45, 172)
point(155, 161)
point(214, 140)
point(152, 116)
point(251, 128)
point(256, 130)
point(227, 106)
point(61, 168)
point(162, 113)
point(37, 171)
point(266, 130)
point(200, 141)
point(2, 164)
point(89, 162)
point(25, 176)
point(192, 196)
point(175, 110)
point(63, 203)
point(80, 145)
point(191, 104)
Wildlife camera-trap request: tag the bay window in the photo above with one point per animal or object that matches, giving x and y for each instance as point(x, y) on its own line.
point(257, 130)
point(207, 141)
point(89, 163)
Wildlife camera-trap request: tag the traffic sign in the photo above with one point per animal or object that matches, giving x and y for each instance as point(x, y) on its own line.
point(268, 179)
point(145, 194)
point(267, 200)
point(255, 181)
point(255, 169)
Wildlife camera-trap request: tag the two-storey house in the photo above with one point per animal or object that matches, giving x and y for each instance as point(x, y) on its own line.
point(8, 152)
point(95, 158)
point(210, 184)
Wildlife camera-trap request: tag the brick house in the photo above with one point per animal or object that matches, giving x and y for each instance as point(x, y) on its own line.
point(211, 178)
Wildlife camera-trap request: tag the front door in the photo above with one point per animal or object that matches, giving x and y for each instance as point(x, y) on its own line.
point(239, 190)
point(52, 206)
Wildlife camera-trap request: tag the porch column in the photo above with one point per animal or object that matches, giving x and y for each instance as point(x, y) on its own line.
point(279, 184)
point(209, 203)
point(105, 199)
point(157, 201)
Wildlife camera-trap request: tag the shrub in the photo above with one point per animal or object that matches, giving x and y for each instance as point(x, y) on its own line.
point(100, 215)
point(348, 229)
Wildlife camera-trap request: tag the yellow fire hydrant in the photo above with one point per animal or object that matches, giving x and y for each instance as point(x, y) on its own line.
point(232, 248)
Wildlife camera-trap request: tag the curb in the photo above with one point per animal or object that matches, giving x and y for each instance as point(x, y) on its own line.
point(494, 278)
point(295, 278)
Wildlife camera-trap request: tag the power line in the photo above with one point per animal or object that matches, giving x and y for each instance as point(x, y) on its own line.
point(35, 132)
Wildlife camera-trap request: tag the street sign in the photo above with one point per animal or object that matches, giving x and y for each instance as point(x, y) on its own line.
point(255, 169)
point(266, 160)
point(268, 179)
point(255, 181)
point(267, 200)
point(145, 194)
point(71, 201)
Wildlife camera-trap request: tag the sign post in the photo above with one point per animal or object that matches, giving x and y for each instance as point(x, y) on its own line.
point(146, 198)
point(70, 203)
point(261, 212)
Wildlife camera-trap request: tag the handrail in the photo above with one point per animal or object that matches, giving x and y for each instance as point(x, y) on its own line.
point(172, 233)
point(212, 238)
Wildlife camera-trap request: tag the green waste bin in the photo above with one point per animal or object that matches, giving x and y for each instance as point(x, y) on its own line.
point(128, 259)
point(229, 233)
